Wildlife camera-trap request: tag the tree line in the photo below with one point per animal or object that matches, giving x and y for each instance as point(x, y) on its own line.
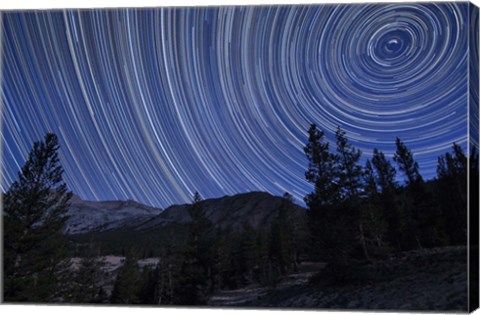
point(361, 212)
point(355, 213)
point(209, 259)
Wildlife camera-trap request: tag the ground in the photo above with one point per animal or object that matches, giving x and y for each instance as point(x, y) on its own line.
point(434, 279)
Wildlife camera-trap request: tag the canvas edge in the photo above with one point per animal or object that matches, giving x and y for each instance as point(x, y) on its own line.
point(473, 178)
point(473, 140)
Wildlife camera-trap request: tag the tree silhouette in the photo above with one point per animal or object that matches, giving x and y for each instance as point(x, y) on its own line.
point(88, 278)
point(422, 220)
point(325, 195)
point(393, 214)
point(372, 221)
point(331, 219)
point(404, 158)
point(452, 193)
point(35, 210)
point(349, 174)
point(415, 192)
point(198, 255)
point(321, 170)
point(284, 235)
point(350, 171)
point(127, 283)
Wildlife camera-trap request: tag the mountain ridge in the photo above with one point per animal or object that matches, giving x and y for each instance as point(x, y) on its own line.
point(231, 211)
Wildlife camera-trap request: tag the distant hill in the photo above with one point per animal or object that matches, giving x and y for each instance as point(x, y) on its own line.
point(86, 216)
point(256, 209)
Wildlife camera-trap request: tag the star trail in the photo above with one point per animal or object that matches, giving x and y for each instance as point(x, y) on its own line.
point(155, 104)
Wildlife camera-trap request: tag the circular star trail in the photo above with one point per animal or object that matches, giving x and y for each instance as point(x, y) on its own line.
point(155, 104)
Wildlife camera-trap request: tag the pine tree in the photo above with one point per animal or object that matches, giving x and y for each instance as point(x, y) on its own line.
point(350, 183)
point(225, 261)
point(404, 158)
point(385, 179)
point(327, 215)
point(321, 170)
point(372, 221)
point(127, 283)
point(35, 206)
point(247, 258)
point(452, 193)
point(322, 202)
point(385, 171)
point(422, 218)
point(199, 255)
point(295, 224)
point(161, 286)
point(282, 236)
point(88, 278)
point(414, 181)
point(350, 172)
point(148, 286)
point(278, 247)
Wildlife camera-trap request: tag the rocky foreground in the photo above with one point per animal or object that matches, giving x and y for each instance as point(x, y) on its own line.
point(433, 279)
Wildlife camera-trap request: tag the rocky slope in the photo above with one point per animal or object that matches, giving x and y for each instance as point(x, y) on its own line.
point(86, 216)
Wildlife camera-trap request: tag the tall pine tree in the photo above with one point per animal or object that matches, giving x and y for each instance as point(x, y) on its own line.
point(372, 221)
point(321, 170)
point(393, 214)
point(325, 196)
point(350, 183)
point(452, 192)
point(88, 278)
point(35, 206)
point(284, 233)
point(350, 172)
point(330, 217)
point(127, 284)
point(199, 256)
point(422, 218)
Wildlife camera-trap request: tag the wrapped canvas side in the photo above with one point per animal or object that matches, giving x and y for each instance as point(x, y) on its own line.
point(474, 167)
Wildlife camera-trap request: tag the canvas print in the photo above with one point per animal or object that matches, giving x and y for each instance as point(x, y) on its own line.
point(320, 156)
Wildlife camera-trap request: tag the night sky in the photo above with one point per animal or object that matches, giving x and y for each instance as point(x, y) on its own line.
point(155, 104)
